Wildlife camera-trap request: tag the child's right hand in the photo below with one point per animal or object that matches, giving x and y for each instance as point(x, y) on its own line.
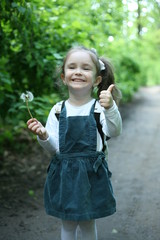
point(37, 128)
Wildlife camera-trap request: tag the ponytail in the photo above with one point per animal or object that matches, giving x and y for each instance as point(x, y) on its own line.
point(107, 79)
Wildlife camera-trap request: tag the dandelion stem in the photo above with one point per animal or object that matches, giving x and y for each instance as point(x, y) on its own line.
point(28, 108)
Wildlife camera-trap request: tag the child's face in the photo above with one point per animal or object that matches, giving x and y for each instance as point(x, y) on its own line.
point(80, 72)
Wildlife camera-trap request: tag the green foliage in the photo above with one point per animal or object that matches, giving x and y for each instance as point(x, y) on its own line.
point(128, 76)
point(150, 57)
point(35, 35)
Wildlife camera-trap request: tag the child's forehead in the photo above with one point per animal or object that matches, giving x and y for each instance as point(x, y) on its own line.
point(79, 55)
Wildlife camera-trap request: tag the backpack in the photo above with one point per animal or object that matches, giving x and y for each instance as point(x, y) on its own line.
point(99, 126)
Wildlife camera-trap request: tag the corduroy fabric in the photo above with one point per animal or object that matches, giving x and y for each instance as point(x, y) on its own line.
point(78, 185)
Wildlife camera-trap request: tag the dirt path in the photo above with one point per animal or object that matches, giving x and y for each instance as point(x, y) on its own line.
point(135, 164)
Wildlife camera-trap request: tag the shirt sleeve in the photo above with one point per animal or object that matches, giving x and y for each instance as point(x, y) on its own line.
point(111, 121)
point(51, 144)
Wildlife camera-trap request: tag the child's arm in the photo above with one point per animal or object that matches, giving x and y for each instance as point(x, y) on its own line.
point(47, 136)
point(112, 121)
point(112, 126)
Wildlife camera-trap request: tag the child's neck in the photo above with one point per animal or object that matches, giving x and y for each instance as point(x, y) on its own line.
point(78, 100)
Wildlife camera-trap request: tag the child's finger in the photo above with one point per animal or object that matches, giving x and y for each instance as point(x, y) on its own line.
point(110, 88)
point(107, 92)
point(33, 124)
point(34, 127)
point(104, 94)
point(31, 120)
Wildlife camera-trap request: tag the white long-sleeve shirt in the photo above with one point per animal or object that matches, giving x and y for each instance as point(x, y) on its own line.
point(110, 120)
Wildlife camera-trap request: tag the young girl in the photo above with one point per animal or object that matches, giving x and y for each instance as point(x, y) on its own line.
point(78, 189)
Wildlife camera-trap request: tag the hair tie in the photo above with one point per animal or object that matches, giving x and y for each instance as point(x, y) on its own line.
point(102, 66)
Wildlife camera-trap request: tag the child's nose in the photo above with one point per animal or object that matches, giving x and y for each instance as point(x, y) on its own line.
point(78, 71)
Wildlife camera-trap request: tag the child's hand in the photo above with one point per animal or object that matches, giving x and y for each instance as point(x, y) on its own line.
point(37, 128)
point(105, 97)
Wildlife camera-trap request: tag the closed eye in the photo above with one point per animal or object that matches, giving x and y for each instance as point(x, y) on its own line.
point(71, 67)
point(87, 67)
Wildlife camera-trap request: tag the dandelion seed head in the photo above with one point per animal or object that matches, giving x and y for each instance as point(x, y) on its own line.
point(23, 97)
point(28, 96)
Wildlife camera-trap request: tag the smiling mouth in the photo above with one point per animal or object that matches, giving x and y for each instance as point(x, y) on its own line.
point(78, 80)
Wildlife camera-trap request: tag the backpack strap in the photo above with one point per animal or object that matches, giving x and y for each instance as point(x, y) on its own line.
point(99, 127)
point(58, 113)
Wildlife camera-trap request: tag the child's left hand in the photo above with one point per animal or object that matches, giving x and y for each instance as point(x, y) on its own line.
point(105, 97)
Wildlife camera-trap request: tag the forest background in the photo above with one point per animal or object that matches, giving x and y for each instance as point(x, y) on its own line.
point(35, 35)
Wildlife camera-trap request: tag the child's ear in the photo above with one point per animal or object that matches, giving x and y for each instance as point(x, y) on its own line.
point(63, 78)
point(98, 80)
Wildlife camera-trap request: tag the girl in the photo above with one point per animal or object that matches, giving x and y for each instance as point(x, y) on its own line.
point(78, 188)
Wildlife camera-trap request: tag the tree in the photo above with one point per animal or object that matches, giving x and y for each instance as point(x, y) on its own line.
point(35, 35)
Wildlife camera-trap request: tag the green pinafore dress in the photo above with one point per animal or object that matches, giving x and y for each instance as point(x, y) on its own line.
point(78, 185)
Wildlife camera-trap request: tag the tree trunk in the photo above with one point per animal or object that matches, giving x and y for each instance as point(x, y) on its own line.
point(139, 26)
